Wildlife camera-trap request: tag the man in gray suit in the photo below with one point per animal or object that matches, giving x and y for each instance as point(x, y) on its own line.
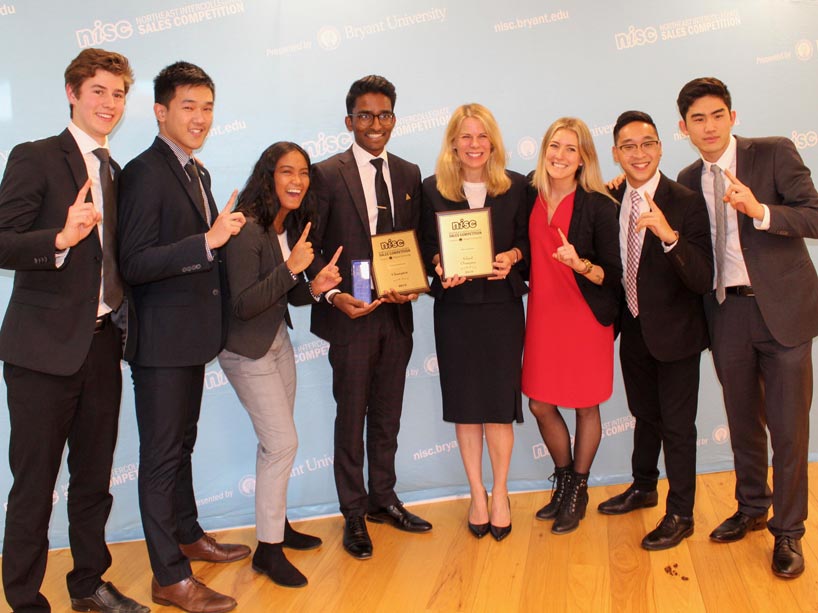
point(763, 312)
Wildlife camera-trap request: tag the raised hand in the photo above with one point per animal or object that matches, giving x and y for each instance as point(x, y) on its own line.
point(654, 220)
point(227, 224)
point(567, 254)
point(741, 197)
point(81, 218)
point(301, 255)
point(328, 277)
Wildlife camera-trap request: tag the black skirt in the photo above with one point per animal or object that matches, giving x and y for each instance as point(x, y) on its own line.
point(479, 354)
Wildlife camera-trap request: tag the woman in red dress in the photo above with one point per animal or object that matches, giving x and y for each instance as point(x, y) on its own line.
point(575, 287)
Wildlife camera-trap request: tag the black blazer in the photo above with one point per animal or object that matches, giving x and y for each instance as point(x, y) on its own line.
point(260, 287)
point(49, 322)
point(594, 233)
point(778, 262)
point(343, 220)
point(178, 292)
point(670, 285)
point(509, 224)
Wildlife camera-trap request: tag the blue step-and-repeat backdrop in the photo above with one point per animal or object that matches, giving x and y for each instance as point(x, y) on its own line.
point(282, 69)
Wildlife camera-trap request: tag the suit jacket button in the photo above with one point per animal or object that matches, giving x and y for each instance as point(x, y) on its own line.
point(215, 292)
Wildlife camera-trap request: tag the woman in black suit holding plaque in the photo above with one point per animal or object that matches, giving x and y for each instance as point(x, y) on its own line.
point(479, 323)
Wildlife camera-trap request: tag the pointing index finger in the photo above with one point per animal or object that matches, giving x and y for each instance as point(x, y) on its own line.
point(651, 202)
point(565, 242)
point(732, 178)
point(306, 231)
point(229, 206)
point(334, 259)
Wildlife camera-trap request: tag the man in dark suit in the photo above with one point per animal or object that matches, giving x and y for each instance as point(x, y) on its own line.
point(362, 192)
point(763, 312)
point(170, 235)
point(664, 237)
point(61, 339)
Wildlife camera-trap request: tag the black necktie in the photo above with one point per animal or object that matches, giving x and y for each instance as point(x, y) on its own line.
point(111, 281)
point(382, 196)
point(193, 172)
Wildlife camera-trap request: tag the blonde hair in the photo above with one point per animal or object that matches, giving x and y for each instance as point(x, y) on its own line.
point(589, 175)
point(447, 169)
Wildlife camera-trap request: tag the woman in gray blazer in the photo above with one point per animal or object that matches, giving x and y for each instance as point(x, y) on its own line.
point(265, 269)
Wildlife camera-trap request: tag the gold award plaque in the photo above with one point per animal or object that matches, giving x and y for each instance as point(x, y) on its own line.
point(466, 243)
point(396, 263)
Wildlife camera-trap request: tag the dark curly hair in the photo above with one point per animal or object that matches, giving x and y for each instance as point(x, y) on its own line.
point(258, 199)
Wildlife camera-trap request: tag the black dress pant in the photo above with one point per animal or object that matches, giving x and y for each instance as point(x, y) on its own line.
point(168, 401)
point(663, 397)
point(766, 386)
point(368, 378)
point(46, 411)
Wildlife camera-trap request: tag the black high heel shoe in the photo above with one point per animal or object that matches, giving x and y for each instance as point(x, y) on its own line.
point(480, 530)
point(501, 532)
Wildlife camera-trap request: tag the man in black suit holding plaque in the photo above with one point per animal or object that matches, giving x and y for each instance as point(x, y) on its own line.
point(363, 192)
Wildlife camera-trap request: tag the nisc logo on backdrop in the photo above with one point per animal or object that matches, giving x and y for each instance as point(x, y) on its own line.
point(805, 140)
point(158, 21)
point(681, 28)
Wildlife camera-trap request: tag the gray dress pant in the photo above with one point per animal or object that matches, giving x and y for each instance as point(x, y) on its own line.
point(266, 389)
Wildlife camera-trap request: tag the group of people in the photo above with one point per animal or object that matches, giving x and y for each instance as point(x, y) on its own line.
point(140, 263)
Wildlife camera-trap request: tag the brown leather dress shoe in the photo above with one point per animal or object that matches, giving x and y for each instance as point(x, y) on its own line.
point(191, 595)
point(788, 557)
point(208, 550)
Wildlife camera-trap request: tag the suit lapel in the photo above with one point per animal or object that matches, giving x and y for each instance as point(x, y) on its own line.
point(745, 158)
point(576, 215)
point(399, 194)
point(352, 179)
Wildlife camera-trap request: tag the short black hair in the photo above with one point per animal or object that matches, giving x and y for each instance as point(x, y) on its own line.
point(629, 117)
point(179, 73)
point(699, 88)
point(372, 84)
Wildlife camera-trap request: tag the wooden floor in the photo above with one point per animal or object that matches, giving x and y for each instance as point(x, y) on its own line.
point(598, 568)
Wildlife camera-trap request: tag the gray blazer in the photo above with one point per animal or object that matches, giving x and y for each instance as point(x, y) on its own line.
point(778, 262)
point(260, 288)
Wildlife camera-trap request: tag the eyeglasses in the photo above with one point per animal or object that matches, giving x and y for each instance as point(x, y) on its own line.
point(386, 117)
point(649, 146)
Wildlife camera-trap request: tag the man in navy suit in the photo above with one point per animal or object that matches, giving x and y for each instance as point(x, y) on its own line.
point(171, 236)
point(61, 339)
point(664, 237)
point(762, 312)
point(362, 192)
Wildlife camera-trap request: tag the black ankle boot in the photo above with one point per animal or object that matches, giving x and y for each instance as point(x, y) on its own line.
point(573, 504)
point(298, 540)
point(560, 480)
point(269, 559)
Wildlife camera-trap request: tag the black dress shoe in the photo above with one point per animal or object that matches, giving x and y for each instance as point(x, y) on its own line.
point(734, 528)
point(270, 560)
point(356, 538)
point(501, 532)
point(298, 540)
point(400, 518)
point(669, 533)
point(480, 530)
point(629, 500)
point(108, 599)
point(788, 559)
